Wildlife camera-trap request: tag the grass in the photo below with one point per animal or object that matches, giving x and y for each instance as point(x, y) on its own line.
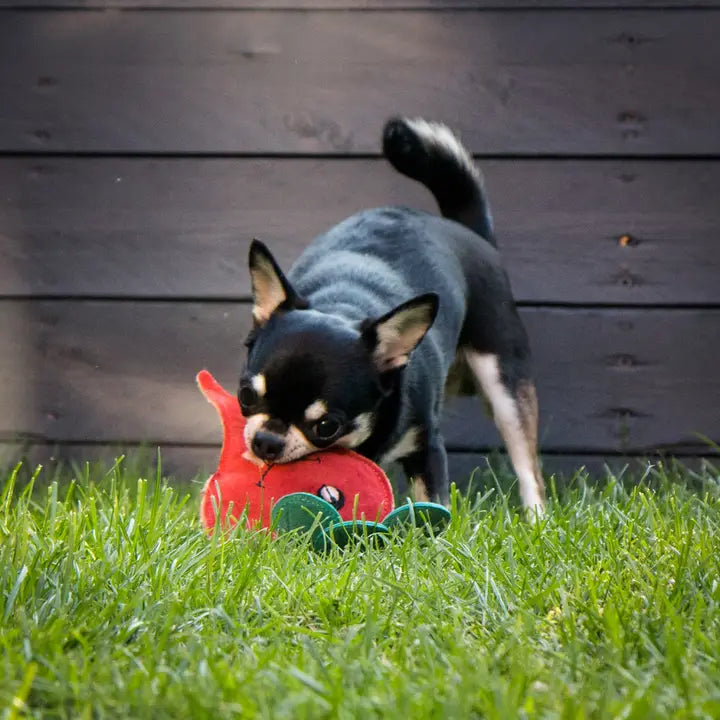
point(113, 603)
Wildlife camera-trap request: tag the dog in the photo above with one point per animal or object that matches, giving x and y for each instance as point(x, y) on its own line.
point(353, 347)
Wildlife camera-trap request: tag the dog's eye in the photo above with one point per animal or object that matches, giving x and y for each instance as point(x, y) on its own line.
point(327, 428)
point(247, 397)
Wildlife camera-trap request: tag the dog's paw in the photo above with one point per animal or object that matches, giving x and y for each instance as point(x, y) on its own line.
point(535, 513)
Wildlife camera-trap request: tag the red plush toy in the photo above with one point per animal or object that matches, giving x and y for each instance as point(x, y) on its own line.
point(354, 485)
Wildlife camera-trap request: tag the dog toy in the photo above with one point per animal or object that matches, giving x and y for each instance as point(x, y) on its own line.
point(337, 494)
point(309, 513)
point(351, 485)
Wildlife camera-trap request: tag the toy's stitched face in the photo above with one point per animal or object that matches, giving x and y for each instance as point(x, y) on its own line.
point(308, 384)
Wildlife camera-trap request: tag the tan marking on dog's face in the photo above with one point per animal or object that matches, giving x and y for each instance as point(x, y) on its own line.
point(258, 384)
point(296, 444)
point(362, 429)
point(253, 424)
point(315, 410)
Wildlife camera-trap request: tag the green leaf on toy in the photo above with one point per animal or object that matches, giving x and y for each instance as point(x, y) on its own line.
point(370, 533)
point(306, 512)
point(299, 511)
point(431, 517)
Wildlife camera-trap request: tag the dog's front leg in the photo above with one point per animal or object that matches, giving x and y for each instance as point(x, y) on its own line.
point(427, 470)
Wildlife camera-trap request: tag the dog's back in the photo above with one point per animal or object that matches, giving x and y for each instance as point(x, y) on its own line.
point(376, 259)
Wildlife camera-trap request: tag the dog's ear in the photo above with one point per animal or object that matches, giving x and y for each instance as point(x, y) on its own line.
point(392, 338)
point(270, 288)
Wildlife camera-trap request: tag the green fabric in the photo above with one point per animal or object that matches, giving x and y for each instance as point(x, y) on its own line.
point(431, 517)
point(304, 512)
point(344, 533)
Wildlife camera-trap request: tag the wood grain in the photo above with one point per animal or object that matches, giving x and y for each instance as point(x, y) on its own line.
point(608, 380)
point(179, 228)
point(353, 4)
point(526, 82)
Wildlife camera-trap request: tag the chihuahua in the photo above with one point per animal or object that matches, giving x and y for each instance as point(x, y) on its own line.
point(353, 347)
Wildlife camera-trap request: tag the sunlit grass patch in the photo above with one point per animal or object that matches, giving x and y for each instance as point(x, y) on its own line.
point(114, 603)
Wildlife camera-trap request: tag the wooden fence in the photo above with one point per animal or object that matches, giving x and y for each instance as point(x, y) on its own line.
point(144, 143)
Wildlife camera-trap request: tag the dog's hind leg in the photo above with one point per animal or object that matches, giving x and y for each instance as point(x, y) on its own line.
point(515, 412)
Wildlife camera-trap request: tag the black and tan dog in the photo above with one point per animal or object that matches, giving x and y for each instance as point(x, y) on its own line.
point(353, 347)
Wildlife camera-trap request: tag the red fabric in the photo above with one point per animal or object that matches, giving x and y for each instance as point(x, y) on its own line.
point(238, 481)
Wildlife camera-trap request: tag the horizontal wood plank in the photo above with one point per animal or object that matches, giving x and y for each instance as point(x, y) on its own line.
point(618, 381)
point(180, 228)
point(529, 82)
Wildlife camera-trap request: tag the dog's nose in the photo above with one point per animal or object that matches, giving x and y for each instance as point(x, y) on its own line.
point(267, 445)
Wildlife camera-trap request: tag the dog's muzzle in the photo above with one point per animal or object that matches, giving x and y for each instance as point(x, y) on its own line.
point(267, 445)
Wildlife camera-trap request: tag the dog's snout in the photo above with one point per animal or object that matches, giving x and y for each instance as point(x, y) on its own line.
point(276, 426)
point(267, 445)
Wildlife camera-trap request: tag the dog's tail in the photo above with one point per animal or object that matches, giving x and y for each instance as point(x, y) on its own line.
point(430, 153)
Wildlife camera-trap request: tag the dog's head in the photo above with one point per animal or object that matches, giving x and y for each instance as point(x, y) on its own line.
point(313, 380)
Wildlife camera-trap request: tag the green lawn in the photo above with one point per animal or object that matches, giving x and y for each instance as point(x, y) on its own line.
point(114, 603)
